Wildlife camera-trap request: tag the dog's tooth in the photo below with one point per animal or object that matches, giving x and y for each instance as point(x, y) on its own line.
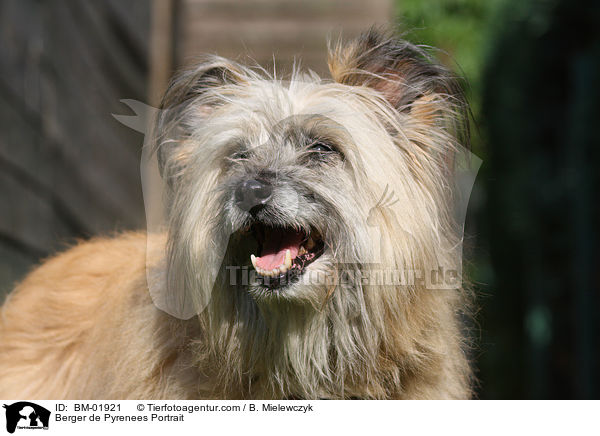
point(288, 259)
point(282, 269)
point(302, 250)
point(310, 243)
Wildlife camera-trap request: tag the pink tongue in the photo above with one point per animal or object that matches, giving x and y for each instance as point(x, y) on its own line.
point(276, 242)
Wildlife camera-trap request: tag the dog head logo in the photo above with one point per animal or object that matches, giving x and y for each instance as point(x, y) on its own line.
point(26, 415)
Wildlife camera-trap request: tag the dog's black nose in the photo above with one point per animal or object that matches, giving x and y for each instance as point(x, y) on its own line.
point(252, 194)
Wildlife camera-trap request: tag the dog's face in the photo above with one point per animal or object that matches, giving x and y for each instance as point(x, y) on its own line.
point(277, 186)
point(281, 197)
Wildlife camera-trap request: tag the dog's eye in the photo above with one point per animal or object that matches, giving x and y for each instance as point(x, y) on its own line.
point(322, 152)
point(321, 147)
point(240, 155)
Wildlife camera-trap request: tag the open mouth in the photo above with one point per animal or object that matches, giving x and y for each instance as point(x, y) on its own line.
point(283, 253)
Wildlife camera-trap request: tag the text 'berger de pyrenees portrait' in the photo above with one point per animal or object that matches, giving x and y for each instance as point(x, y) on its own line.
point(310, 251)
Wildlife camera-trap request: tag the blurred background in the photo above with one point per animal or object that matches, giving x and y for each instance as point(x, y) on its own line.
point(69, 170)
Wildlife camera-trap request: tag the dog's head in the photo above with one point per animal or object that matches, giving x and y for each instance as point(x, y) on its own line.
point(277, 186)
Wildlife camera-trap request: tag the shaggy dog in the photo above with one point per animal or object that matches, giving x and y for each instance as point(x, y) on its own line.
point(293, 208)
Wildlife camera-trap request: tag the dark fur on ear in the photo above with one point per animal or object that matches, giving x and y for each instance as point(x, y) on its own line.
point(189, 86)
point(406, 76)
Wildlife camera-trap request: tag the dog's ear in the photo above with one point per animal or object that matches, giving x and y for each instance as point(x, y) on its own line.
point(210, 73)
point(401, 71)
point(406, 76)
point(191, 97)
